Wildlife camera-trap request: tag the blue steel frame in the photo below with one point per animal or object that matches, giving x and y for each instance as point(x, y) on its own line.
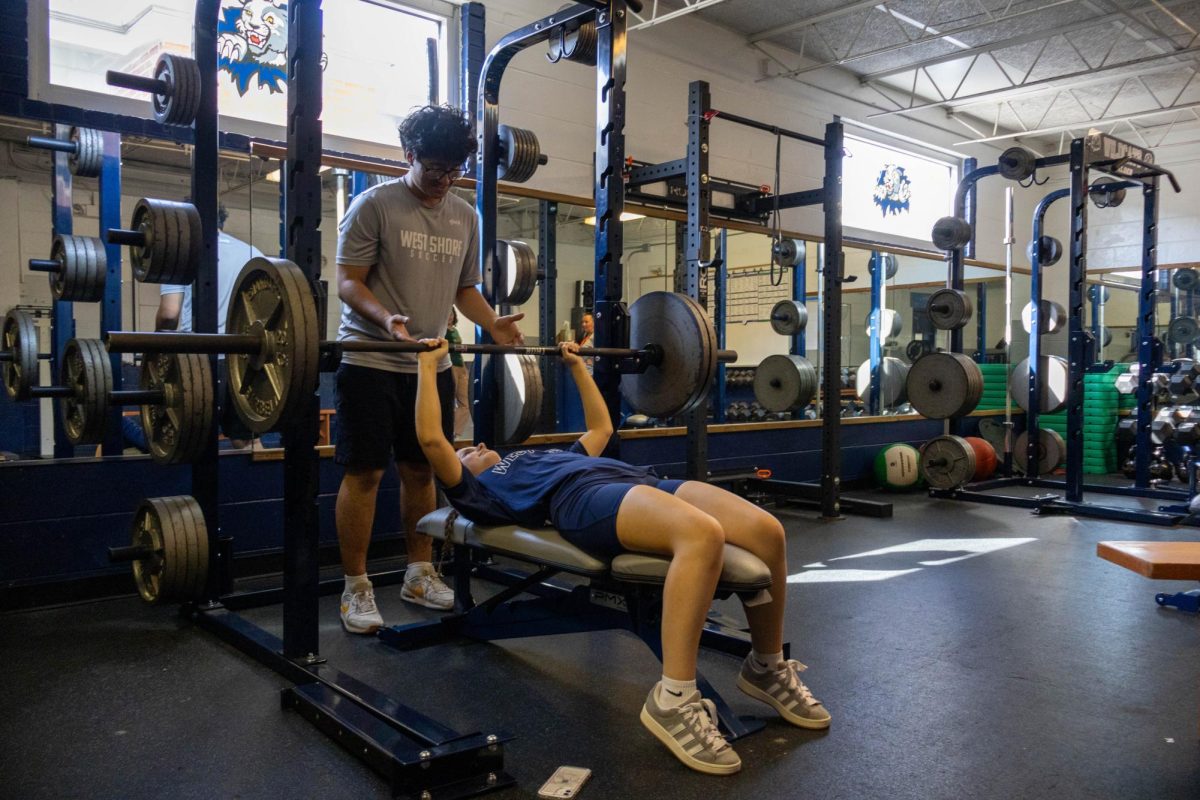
point(874, 401)
point(1081, 165)
point(62, 316)
point(719, 314)
point(981, 321)
point(548, 310)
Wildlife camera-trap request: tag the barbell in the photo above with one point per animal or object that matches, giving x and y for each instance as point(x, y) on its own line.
point(273, 348)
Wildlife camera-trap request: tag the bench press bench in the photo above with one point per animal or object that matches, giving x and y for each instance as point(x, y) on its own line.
point(622, 594)
point(1177, 561)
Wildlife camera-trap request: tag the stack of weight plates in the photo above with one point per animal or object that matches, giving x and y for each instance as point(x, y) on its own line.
point(1100, 404)
point(995, 386)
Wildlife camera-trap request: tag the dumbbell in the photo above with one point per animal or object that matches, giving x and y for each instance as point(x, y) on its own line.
point(1160, 467)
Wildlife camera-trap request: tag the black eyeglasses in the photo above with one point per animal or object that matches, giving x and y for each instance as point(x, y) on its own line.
point(435, 174)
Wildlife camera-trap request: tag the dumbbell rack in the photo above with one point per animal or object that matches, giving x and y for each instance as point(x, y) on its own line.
point(62, 319)
point(1132, 167)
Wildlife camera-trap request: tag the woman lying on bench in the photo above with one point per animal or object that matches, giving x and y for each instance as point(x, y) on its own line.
point(604, 507)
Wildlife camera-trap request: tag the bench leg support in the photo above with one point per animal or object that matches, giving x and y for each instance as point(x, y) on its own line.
point(1184, 601)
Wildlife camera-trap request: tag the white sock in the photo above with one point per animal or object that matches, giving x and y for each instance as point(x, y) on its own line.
point(357, 583)
point(672, 693)
point(770, 662)
point(416, 569)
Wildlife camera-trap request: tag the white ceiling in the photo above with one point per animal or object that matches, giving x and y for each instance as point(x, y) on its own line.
point(1039, 71)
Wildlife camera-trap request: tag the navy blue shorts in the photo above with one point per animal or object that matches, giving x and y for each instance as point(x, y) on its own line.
point(586, 516)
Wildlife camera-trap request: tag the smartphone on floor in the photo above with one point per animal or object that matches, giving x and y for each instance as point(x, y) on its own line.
point(565, 782)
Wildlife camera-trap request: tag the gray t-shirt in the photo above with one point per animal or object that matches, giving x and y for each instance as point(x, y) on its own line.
point(419, 257)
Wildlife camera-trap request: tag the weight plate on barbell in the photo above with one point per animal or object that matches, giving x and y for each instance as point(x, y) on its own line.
point(892, 376)
point(519, 380)
point(1053, 383)
point(173, 530)
point(685, 337)
point(949, 309)
point(789, 317)
point(1053, 317)
point(785, 382)
point(83, 267)
point(1185, 278)
point(273, 299)
point(178, 428)
point(947, 462)
point(87, 372)
point(179, 104)
point(21, 345)
point(944, 385)
point(1183, 330)
point(518, 272)
point(88, 157)
point(1050, 452)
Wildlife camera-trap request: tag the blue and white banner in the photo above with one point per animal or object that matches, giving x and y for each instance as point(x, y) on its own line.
point(894, 193)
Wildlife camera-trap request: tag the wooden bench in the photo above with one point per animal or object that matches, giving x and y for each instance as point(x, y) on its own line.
point(1173, 561)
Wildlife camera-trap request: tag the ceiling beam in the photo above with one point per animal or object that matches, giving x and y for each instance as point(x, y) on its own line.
point(1081, 124)
point(688, 8)
point(814, 19)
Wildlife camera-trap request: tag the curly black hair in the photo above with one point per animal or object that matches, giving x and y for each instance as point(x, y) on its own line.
point(439, 133)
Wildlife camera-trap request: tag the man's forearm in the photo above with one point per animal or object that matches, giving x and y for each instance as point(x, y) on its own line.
point(363, 301)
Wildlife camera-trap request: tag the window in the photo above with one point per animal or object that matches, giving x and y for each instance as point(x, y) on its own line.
point(375, 59)
point(893, 192)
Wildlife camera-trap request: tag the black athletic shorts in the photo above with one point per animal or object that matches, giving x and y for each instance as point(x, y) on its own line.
point(376, 416)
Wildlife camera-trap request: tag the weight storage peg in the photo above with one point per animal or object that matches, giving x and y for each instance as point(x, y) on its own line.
point(273, 348)
point(19, 354)
point(520, 154)
point(949, 309)
point(85, 147)
point(176, 399)
point(169, 550)
point(951, 233)
point(789, 317)
point(164, 241)
point(1017, 164)
point(174, 89)
point(78, 267)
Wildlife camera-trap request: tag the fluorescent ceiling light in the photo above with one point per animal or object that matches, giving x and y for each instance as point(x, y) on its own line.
point(626, 216)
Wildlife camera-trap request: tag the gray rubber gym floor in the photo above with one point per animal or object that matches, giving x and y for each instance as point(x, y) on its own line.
point(964, 651)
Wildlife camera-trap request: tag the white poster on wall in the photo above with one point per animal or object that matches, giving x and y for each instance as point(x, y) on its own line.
point(893, 195)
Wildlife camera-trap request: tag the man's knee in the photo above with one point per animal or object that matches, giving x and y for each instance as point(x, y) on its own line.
point(361, 481)
point(414, 473)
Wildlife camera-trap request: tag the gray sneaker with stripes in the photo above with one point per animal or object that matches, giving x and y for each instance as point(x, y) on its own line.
point(690, 732)
point(783, 689)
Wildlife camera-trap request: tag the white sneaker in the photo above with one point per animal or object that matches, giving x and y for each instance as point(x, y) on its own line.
point(359, 612)
point(428, 590)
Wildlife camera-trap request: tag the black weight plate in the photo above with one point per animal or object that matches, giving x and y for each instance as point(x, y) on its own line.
point(950, 233)
point(1183, 330)
point(679, 328)
point(187, 261)
point(949, 309)
point(146, 533)
point(1053, 317)
point(947, 462)
point(891, 265)
point(178, 428)
point(519, 273)
point(272, 298)
point(992, 430)
point(87, 371)
point(88, 157)
point(519, 151)
point(21, 345)
point(789, 317)
point(1101, 291)
point(1017, 164)
point(790, 252)
point(520, 380)
point(94, 267)
point(182, 100)
point(151, 220)
point(1185, 279)
point(785, 382)
point(891, 326)
point(944, 385)
point(1048, 254)
point(1106, 199)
